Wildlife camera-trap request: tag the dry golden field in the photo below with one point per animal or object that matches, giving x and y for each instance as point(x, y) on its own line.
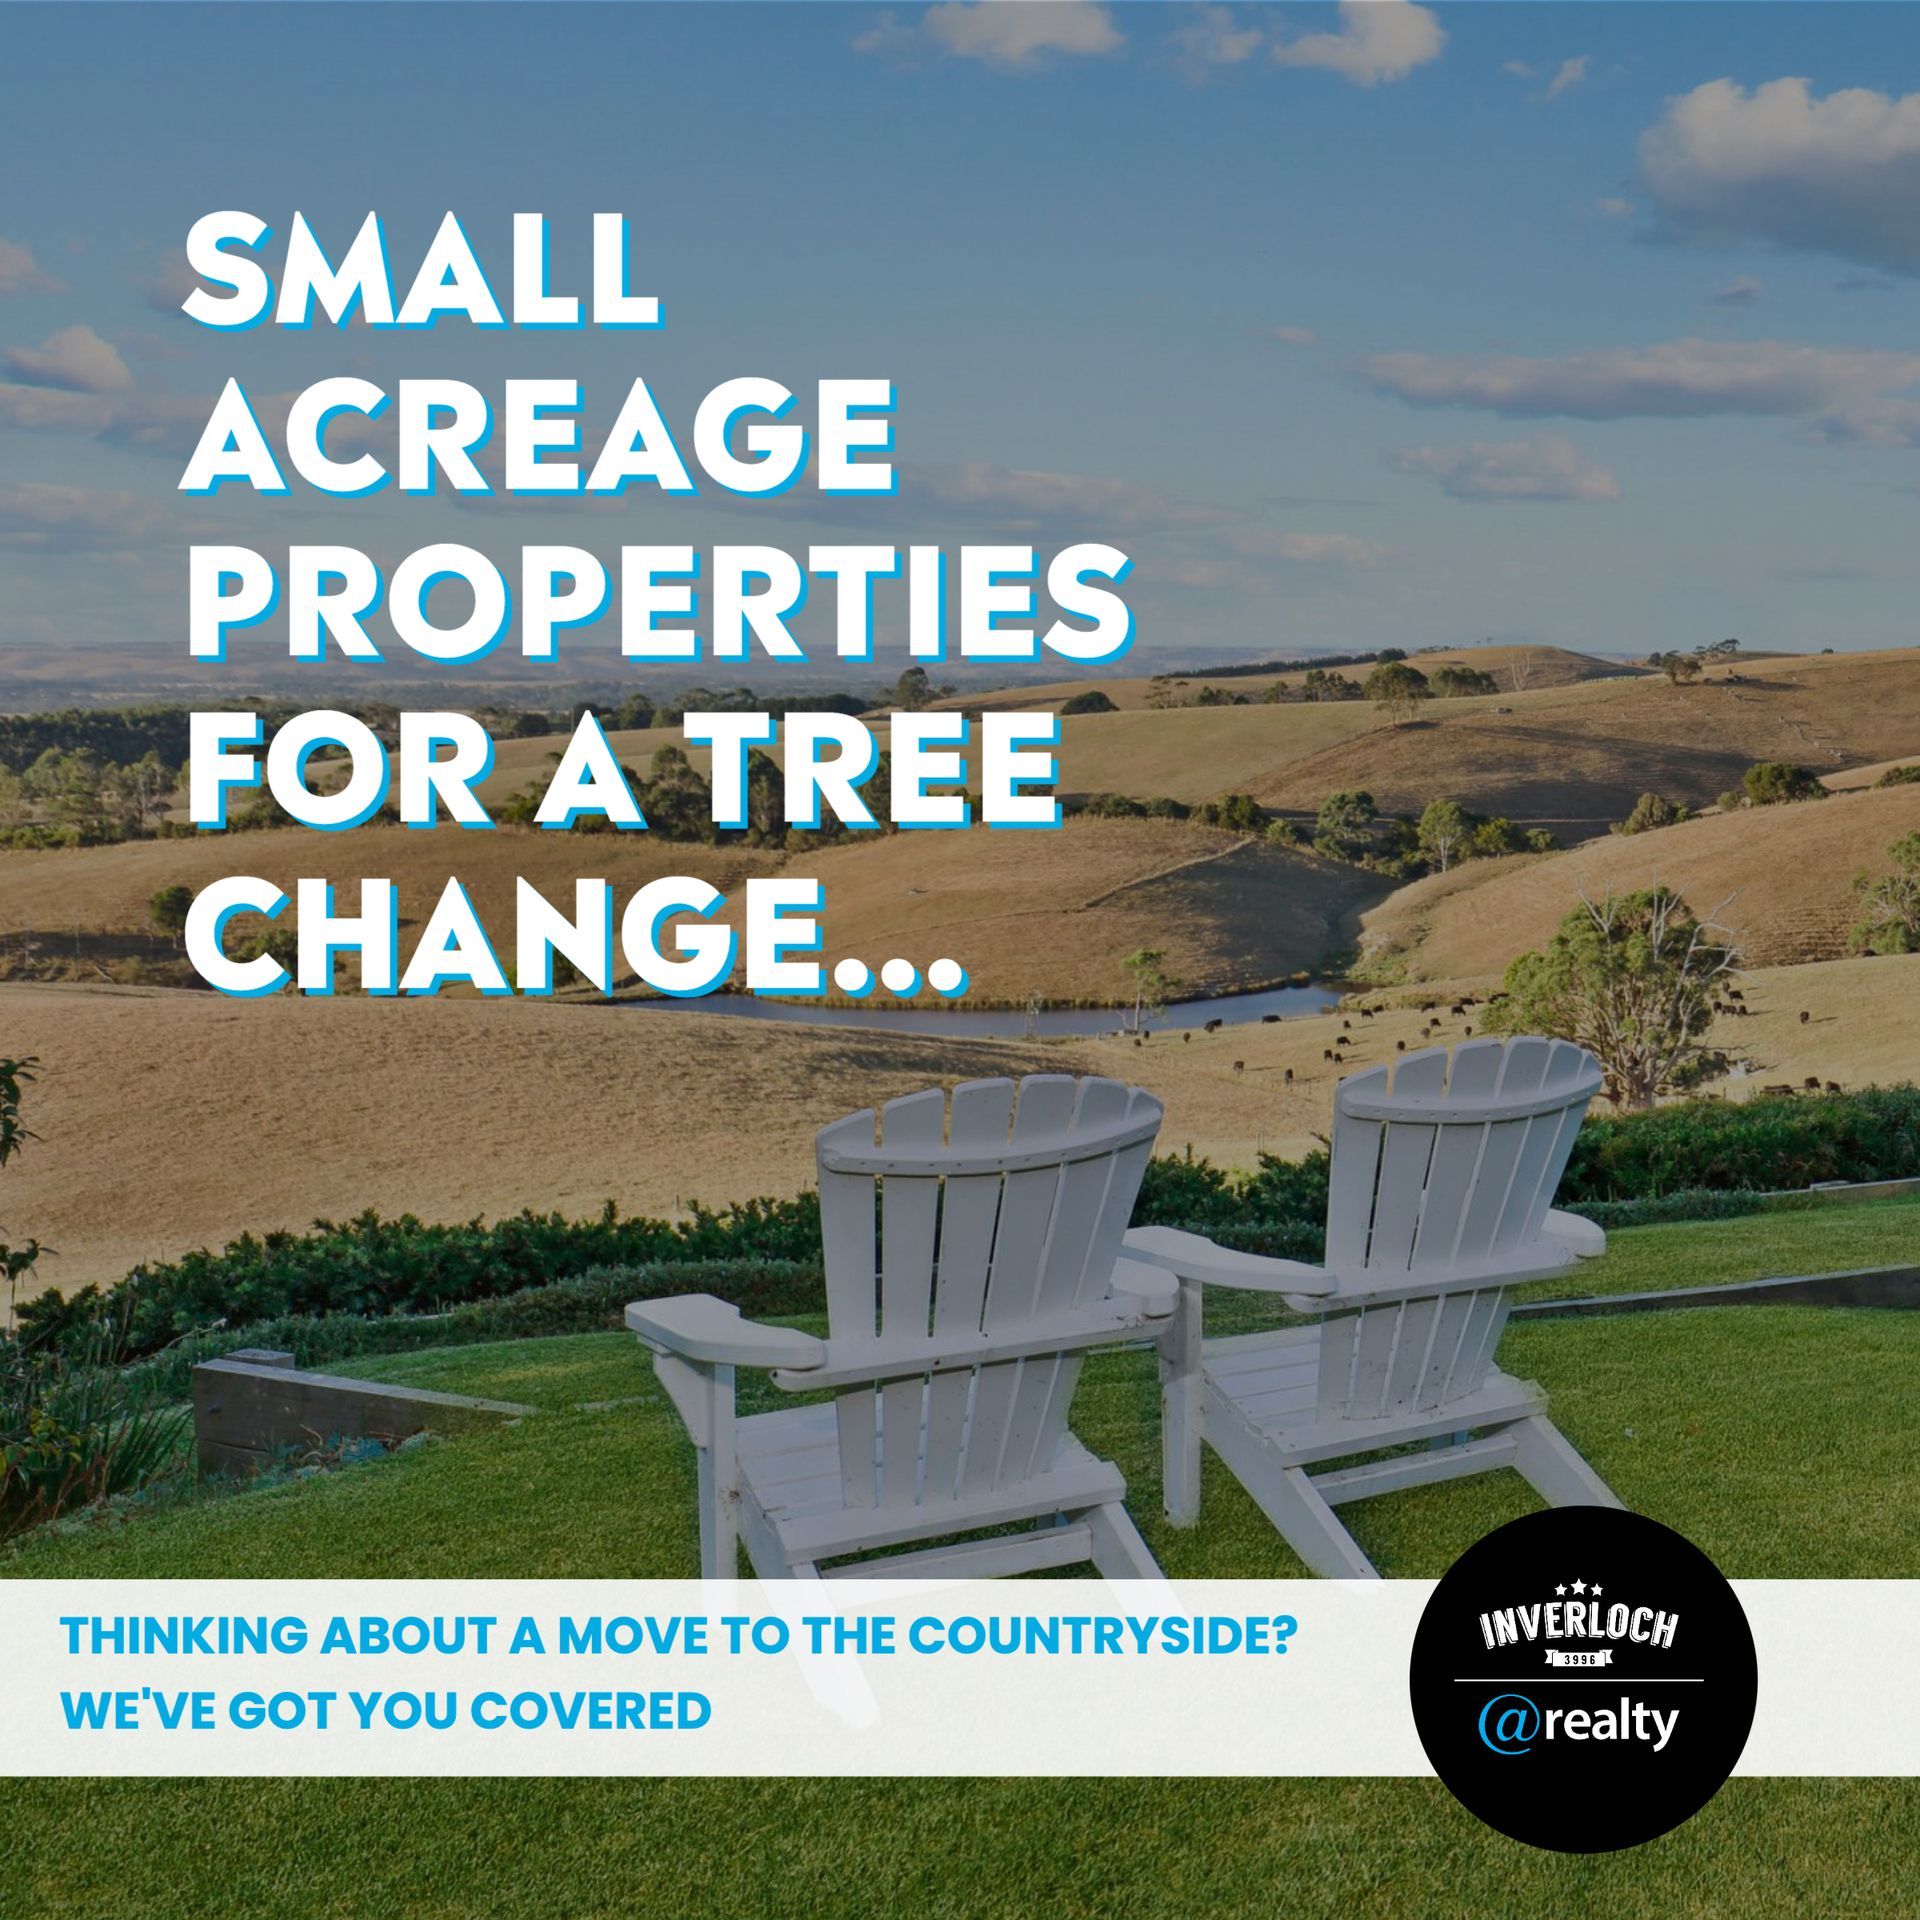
point(1047, 913)
point(1584, 753)
point(1572, 753)
point(1785, 872)
point(172, 1120)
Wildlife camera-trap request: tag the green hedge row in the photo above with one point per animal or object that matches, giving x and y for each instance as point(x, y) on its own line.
point(1765, 1144)
point(373, 1266)
point(590, 1302)
point(377, 1269)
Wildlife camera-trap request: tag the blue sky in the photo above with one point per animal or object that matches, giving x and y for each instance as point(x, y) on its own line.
point(1571, 324)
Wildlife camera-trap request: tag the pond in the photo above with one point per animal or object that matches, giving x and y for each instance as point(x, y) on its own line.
point(1011, 1023)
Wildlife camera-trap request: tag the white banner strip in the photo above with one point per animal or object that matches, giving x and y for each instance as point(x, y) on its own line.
point(1040, 1677)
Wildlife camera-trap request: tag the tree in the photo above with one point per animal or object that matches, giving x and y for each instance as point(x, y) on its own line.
point(15, 1076)
point(1397, 689)
point(1492, 839)
point(168, 910)
point(1520, 670)
point(1153, 986)
point(1342, 829)
point(1633, 981)
point(1237, 812)
point(1318, 684)
point(913, 690)
point(1649, 811)
point(1681, 668)
point(1890, 906)
point(1454, 683)
point(1092, 701)
point(1388, 655)
point(1445, 827)
point(1775, 783)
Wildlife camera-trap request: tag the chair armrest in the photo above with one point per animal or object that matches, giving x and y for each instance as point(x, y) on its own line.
point(698, 1327)
point(1153, 1289)
point(1191, 1257)
point(1578, 1236)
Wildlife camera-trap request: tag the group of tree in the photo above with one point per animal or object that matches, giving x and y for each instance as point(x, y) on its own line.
point(1684, 668)
point(1889, 919)
point(1123, 806)
point(1653, 810)
point(1449, 833)
point(1778, 783)
point(75, 796)
point(117, 734)
point(1397, 690)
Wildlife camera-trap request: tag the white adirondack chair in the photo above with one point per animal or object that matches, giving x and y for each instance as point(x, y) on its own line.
point(1439, 1205)
point(971, 1263)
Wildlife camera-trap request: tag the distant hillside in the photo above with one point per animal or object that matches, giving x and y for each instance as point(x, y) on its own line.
point(1513, 667)
point(1785, 872)
point(1047, 913)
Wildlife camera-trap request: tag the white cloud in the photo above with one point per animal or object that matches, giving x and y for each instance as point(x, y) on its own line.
point(20, 272)
point(1837, 175)
point(45, 519)
point(1025, 500)
point(1306, 549)
point(1678, 379)
point(1548, 467)
point(1887, 422)
point(75, 360)
point(1377, 40)
point(168, 285)
point(1570, 75)
point(1293, 336)
point(1614, 207)
point(1520, 69)
point(1018, 34)
point(1741, 291)
point(1213, 37)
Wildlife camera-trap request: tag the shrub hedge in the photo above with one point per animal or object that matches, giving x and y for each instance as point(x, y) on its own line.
point(539, 1273)
point(374, 1266)
point(1760, 1145)
point(590, 1302)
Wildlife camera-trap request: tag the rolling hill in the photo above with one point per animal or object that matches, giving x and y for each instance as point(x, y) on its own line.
point(1786, 873)
point(1052, 913)
point(1514, 667)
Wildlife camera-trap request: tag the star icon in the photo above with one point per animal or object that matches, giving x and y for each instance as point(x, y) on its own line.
point(1579, 1586)
point(1596, 1587)
point(1559, 1589)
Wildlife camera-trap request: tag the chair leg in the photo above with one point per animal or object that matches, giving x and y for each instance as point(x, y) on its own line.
point(1180, 1423)
point(1308, 1525)
point(1118, 1550)
point(1548, 1461)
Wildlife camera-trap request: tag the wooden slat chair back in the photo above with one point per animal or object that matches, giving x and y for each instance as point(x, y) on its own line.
point(1441, 1181)
point(1440, 1203)
point(1009, 1226)
point(973, 1258)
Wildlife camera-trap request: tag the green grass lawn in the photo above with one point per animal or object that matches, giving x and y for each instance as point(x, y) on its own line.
point(1779, 1438)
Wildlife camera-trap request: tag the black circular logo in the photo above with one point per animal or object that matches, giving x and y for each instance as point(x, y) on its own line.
point(1583, 1679)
